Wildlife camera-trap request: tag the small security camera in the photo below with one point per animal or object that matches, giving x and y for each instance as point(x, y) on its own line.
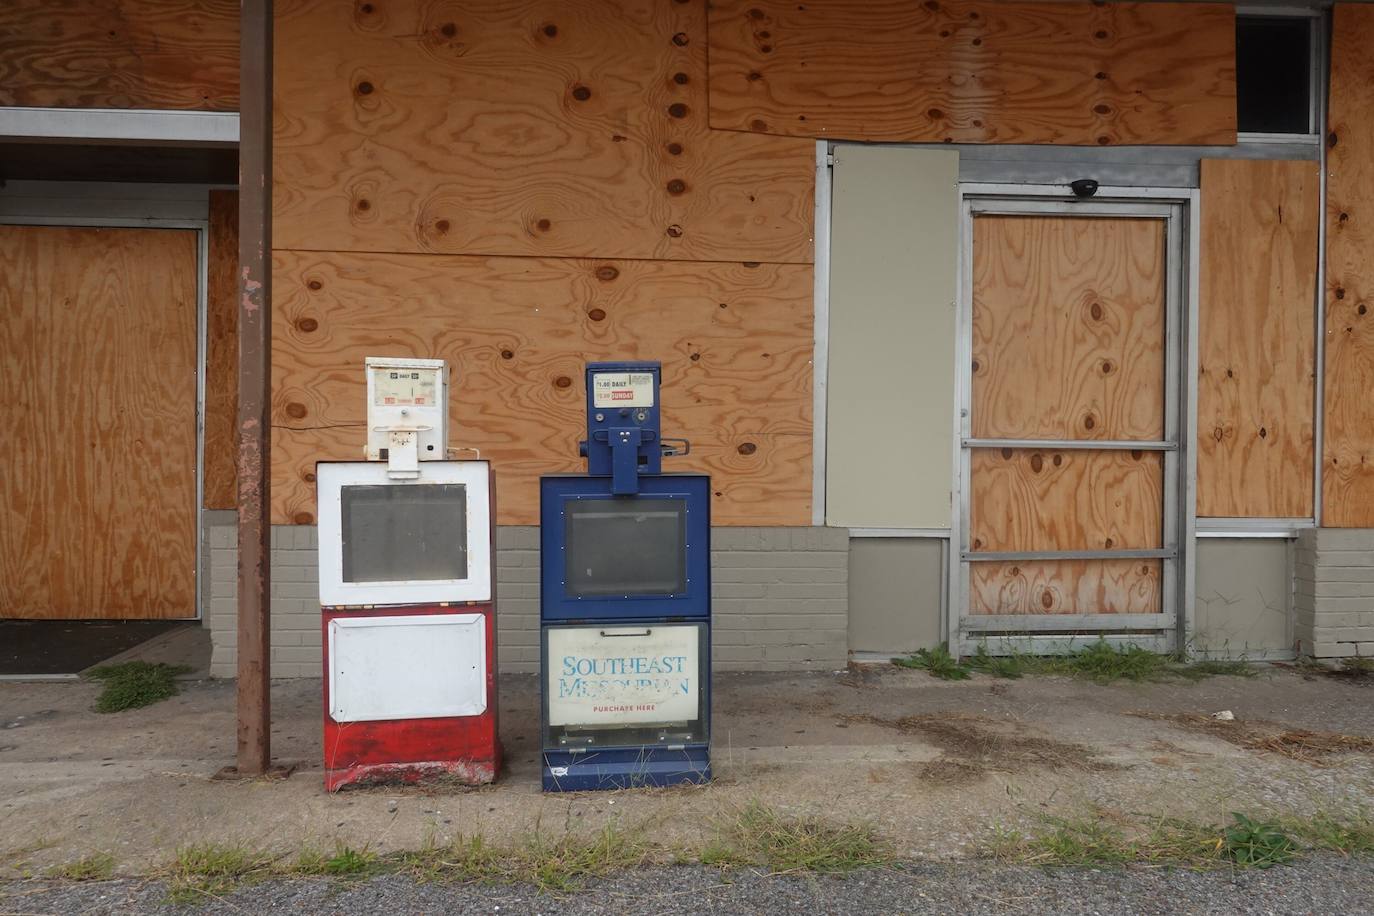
point(1083, 187)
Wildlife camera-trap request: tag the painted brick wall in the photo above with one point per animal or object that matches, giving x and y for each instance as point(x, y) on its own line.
point(1333, 597)
point(780, 599)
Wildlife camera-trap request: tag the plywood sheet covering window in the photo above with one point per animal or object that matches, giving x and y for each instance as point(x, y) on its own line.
point(1348, 433)
point(1257, 346)
point(1066, 499)
point(1068, 328)
point(735, 341)
point(1066, 587)
point(222, 353)
point(172, 54)
point(976, 72)
point(521, 127)
point(97, 495)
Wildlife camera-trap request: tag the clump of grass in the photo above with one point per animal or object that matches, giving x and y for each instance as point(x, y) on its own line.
point(1246, 842)
point(1257, 844)
point(566, 863)
point(212, 869)
point(464, 859)
point(131, 685)
point(1350, 837)
point(937, 662)
point(98, 866)
point(761, 837)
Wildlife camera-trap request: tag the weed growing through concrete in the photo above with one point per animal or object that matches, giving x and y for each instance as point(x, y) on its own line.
point(1101, 662)
point(761, 837)
point(132, 685)
point(1257, 844)
point(937, 662)
point(345, 862)
point(213, 869)
point(98, 866)
point(1350, 835)
point(1246, 842)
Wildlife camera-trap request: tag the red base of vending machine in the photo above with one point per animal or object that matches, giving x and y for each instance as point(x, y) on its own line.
point(410, 695)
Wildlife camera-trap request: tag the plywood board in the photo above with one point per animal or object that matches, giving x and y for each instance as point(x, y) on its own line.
point(1066, 587)
point(222, 353)
point(735, 342)
point(1348, 433)
point(98, 491)
point(1068, 328)
point(1257, 338)
point(521, 127)
point(975, 71)
point(894, 241)
point(1066, 499)
point(174, 54)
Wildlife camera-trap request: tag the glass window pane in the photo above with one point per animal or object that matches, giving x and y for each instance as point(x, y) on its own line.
point(404, 533)
point(626, 546)
point(1273, 74)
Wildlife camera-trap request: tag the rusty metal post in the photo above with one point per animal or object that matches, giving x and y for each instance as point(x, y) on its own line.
point(255, 381)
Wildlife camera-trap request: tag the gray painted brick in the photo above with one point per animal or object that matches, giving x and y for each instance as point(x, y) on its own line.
point(780, 598)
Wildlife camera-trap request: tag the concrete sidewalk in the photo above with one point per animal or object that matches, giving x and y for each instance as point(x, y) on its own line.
point(935, 766)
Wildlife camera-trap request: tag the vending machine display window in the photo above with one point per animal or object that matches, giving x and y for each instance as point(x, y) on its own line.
point(385, 541)
point(404, 533)
point(624, 546)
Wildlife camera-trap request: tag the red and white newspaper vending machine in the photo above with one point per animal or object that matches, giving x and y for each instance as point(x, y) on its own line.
point(407, 592)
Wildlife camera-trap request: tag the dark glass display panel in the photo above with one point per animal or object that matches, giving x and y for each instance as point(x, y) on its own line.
point(1274, 74)
point(625, 546)
point(406, 533)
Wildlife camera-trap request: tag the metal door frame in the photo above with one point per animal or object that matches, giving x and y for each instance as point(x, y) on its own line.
point(1172, 628)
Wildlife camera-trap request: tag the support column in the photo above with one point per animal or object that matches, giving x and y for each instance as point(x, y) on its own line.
point(255, 380)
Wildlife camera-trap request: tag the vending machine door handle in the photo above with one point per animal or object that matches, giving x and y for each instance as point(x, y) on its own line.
point(610, 633)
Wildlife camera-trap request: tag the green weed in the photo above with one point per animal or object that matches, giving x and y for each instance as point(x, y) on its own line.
point(937, 662)
point(1257, 844)
point(131, 685)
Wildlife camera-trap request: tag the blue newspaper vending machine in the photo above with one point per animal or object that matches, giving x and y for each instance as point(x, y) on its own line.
point(625, 600)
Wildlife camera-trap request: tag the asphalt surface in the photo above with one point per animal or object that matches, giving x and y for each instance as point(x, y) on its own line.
point(1325, 885)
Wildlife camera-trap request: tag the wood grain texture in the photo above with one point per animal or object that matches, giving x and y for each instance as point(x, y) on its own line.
point(97, 497)
point(1348, 431)
point(521, 127)
point(975, 71)
point(171, 54)
point(1066, 587)
point(1257, 338)
point(735, 342)
point(1032, 499)
point(222, 353)
point(1068, 328)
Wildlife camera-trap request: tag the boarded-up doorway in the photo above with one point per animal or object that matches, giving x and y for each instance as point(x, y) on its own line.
point(1071, 444)
point(98, 330)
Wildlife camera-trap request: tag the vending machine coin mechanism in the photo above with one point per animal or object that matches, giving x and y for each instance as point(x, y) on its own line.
point(406, 576)
point(625, 600)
